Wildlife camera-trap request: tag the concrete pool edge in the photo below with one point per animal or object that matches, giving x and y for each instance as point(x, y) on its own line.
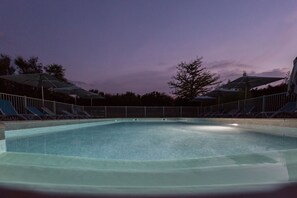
point(174, 191)
point(2, 139)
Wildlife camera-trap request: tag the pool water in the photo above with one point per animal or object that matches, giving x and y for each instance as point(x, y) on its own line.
point(140, 140)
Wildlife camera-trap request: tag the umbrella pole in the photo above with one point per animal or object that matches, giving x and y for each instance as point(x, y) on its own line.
point(42, 95)
point(245, 95)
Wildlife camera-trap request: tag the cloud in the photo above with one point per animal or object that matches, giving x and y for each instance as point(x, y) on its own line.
point(152, 80)
point(230, 70)
point(272, 73)
point(291, 18)
point(227, 64)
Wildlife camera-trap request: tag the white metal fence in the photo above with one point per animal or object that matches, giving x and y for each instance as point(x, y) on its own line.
point(263, 104)
point(269, 103)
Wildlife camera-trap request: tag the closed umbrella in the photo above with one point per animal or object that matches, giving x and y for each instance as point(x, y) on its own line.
point(77, 92)
point(203, 98)
point(214, 94)
point(292, 84)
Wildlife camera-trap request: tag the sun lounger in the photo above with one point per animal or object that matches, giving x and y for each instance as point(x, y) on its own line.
point(71, 115)
point(82, 113)
point(87, 114)
point(52, 114)
point(9, 112)
point(231, 113)
point(247, 111)
point(35, 111)
point(287, 110)
point(219, 113)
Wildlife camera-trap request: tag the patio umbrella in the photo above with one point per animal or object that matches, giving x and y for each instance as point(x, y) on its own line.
point(203, 98)
point(246, 82)
point(218, 93)
point(38, 80)
point(77, 92)
point(292, 84)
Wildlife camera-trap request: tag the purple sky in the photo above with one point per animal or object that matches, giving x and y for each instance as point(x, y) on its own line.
point(134, 45)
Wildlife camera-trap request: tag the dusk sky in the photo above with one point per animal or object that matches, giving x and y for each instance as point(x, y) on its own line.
point(135, 45)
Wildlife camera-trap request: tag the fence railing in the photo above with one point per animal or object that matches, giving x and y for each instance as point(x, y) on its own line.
point(266, 103)
point(269, 103)
point(21, 102)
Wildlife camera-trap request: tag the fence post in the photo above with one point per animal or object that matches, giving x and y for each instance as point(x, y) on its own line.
point(163, 112)
point(263, 103)
point(238, 103)
point(145, 111)
point(126, 111)
point(54, 107)
point(72, 108)
point(105, 111)
point(25, 102)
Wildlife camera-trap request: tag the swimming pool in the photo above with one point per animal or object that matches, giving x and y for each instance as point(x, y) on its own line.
point(147, 140)
point(150, 156)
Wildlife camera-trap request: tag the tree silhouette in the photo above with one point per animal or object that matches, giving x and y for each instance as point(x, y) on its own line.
point(192, 79)
point(156, 99)
point(5, 65)
point(56, 70)
point(30, 66)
